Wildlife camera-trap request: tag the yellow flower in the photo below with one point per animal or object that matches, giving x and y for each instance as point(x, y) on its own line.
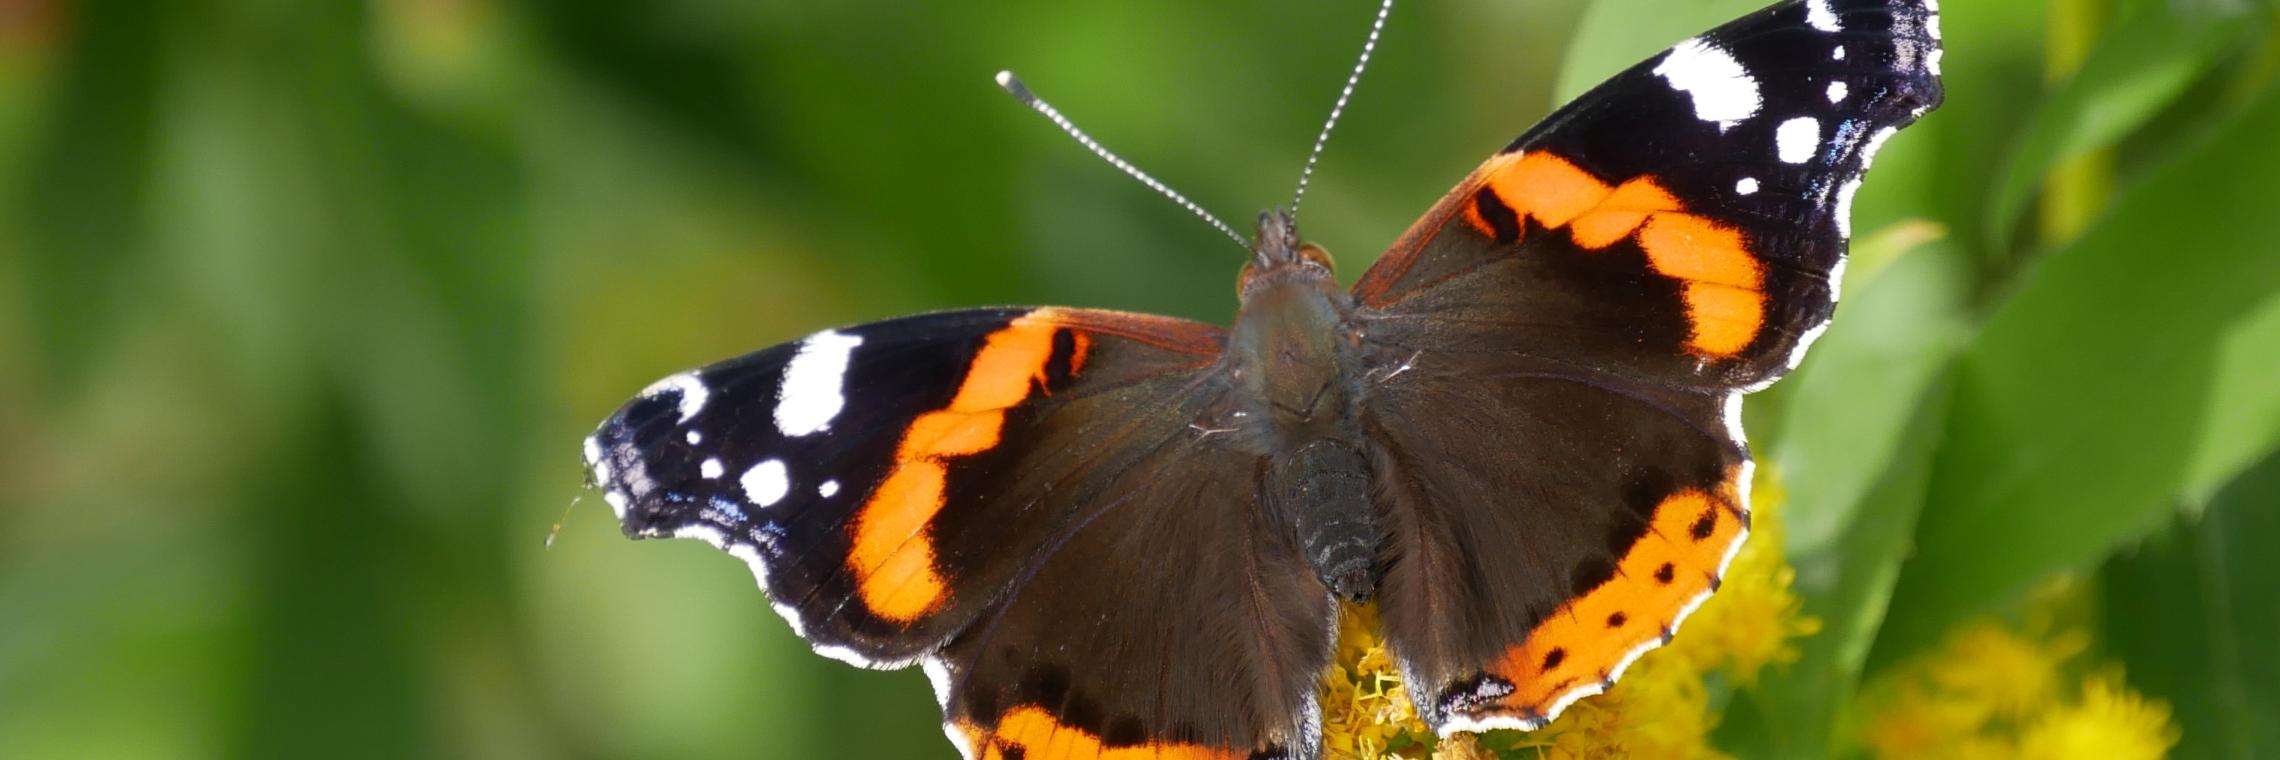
point(2110, 722)
point(1995, 692)
point(1660, 708)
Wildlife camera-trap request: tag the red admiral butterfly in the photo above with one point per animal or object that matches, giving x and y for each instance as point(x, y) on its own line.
point(1519, 432)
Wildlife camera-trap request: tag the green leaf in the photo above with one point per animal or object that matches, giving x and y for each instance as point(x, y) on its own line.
point(2079, 407)
point(1843, 414)
point(2244, 407)
point(1847, 586)
point(2145, 65)
point(2191, 615)
point(1617, 34)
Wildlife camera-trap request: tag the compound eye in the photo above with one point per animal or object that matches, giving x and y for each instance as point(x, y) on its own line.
point(1319, 257)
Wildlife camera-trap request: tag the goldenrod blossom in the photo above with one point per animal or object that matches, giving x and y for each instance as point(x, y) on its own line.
point(1996, 692)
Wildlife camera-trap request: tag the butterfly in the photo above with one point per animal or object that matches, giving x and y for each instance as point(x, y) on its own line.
point(1106, 534)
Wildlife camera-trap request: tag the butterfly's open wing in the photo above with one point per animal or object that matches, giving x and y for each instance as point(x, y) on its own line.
point(1015, 497)
point(1685, 221)
point(1601, 293)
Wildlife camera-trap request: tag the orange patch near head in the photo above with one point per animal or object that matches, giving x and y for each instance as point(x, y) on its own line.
point(893, 555)
point(1586, 641)
point(1039, 736)
point(1678, 244)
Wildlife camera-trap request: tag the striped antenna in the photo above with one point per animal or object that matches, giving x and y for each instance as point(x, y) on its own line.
point(1368, 46)
point(1021, 92)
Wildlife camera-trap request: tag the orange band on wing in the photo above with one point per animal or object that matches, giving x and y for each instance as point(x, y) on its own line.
point(1031, 733)
point(1588, 640)
point(1724, 293)
point(893, 555)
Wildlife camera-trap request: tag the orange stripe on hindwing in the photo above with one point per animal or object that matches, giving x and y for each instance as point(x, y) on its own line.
point(1723, 284)
point(1032, 733)
point(893, 555)
point(1671, 566)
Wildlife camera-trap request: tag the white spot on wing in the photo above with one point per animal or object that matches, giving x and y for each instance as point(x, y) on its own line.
point(1748, 186)
point(1722, 90)
point(1796, 139)
point(829, 489)
point(766, 483)
point(1838, 54)
point(695, 438)
point(690, 393)
point(1821, 16)
point(1838, 91)
point(595, 463)
point(711, 469)
point(811, 394)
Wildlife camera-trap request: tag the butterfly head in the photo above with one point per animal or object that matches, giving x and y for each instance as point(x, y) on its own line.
point(1277, 256)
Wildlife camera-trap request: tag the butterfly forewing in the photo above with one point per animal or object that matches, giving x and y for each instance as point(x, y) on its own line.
point(1686, 221)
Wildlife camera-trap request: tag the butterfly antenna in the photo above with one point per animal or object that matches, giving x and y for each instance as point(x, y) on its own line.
point(1021, 92)
point(557, 529)
point(1368, 46)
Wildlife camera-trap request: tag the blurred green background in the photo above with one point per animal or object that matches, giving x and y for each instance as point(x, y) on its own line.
point(305, 305)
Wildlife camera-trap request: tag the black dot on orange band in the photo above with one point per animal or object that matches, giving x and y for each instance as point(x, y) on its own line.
point(1665, 574)
point(1498, 216)
point(1706, 524)
point(1062, 362)
point(1013, 752)
point(1553, 658)
point(1616, 620)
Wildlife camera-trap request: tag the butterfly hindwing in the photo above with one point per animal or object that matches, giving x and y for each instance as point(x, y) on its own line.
point(898, 487)
point(1601, 294)
point(1529, 574)
point(1176, 622)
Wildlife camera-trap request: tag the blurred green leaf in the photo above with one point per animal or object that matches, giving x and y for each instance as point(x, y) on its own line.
point(1859, 424)
point(2143, 66)
point(84, 189)
point(1615, 34)
point(2191, 615)
point(2078, 407)
point(2244, 403)
point(1843, 413)
point(1847, 586)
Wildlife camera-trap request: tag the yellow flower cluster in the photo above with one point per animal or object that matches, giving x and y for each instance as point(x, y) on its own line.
point(1660, 708)
point(1997, 692)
